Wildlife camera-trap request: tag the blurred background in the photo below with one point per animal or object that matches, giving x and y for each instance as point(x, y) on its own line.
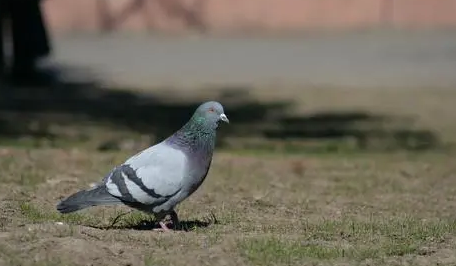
point(294, 75)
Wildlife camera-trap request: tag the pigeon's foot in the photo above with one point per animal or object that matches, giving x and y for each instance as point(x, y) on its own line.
point(163, 228)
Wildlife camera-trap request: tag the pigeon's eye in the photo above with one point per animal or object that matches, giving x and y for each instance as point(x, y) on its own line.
point(211, 110)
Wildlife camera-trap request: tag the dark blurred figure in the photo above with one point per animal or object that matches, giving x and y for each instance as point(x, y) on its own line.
point(29, 38)
point(2, 38)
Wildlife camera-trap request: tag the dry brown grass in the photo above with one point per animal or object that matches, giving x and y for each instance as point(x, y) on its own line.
point(270, 208)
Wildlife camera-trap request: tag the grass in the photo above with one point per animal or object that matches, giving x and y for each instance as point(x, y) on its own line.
point(265, 202)
point(34, 214)
point(349, 239)
point(268, 211)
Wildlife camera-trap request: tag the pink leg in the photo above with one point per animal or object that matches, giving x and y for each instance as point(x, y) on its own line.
point(163, 228)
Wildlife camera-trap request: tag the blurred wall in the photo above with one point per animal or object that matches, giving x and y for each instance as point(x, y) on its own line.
point(245, 15)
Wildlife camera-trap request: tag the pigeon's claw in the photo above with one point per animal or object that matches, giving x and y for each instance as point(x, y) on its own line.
point(163, 228)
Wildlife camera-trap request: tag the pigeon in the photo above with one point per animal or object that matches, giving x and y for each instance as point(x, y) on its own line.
point(158, 178)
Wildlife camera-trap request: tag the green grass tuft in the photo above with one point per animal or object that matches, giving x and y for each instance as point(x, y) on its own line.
point(273, 250)
point(348, 239)
point(37, 215)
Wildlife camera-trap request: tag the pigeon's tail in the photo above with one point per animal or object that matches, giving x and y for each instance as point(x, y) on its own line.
point(87, 198)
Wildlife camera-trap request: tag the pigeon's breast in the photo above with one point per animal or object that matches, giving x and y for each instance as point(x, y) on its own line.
point(199, 165)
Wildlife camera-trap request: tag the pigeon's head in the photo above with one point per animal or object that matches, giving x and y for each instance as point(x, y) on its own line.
point(211, 113)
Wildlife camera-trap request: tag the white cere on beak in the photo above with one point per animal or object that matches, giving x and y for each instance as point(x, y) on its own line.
point(224, 118)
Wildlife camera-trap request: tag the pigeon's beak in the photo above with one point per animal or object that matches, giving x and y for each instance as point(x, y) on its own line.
point(224, 118)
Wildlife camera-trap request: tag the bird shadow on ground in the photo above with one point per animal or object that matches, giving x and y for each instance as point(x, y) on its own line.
point(34, 111)
point(147, 225)
point(150, 224)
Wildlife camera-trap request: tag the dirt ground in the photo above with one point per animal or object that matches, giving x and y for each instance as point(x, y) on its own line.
point(257, 206)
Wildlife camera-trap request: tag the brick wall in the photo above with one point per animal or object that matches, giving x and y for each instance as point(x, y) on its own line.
point(246, 15)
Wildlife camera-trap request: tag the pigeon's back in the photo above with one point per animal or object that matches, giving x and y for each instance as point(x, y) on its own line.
point(160, 155)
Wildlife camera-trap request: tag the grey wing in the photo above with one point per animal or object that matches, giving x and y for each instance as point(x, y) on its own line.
point(150, 177)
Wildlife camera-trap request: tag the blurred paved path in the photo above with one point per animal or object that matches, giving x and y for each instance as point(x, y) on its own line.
point(359, 59)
